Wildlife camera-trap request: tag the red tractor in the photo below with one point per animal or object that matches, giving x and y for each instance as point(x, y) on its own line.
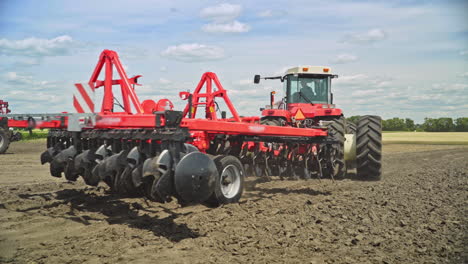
point(308, 98)
point(308, 103)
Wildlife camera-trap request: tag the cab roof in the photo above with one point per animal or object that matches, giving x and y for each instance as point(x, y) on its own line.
point(307, 69)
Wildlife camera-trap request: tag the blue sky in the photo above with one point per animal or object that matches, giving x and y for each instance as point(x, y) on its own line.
point(394, 58)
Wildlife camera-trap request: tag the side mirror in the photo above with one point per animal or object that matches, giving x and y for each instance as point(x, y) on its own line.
point(257, 78)
point(331, 99)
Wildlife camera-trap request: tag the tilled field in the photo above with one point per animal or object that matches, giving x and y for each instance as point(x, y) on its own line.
point(417, 214)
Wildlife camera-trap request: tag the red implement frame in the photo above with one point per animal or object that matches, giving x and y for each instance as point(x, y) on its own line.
point(209, 96)
point(110, 59)
point(203, 128)
point(36, 124)
point(27, 121)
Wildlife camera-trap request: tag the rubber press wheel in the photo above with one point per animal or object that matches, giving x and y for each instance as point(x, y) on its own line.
point(4, 140)
point(229, 181)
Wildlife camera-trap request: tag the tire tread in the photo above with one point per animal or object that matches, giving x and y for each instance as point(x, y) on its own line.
point(369, 148)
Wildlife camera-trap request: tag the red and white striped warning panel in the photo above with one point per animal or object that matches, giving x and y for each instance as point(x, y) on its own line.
point(83, 98)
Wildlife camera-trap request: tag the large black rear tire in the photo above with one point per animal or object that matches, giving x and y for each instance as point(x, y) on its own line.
point(229, 184)
point(350, 127)
point(4, 140)
point(369, 148)
point(336, 131)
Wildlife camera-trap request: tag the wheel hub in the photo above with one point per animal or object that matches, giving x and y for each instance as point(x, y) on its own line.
point(230, 181)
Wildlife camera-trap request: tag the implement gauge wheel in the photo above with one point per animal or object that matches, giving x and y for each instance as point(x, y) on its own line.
point(4, 140)
point(369, 148)
point(229, 183)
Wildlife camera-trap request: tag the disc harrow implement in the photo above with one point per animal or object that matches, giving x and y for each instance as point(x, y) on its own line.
point(149, 149)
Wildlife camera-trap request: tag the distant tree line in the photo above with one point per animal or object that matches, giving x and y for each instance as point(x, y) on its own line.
point(443, 124)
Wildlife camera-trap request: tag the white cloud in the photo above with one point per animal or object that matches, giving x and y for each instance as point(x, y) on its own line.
point(464, 75)
point(245, 82)
point(382, 83)
point(221, 13)
point(22, 81)
point(193, 52)
point(26, 94)
point(458, 87)
point(133, 53)
point(222, 19)
point(363, 82)
point(17, 78)
point(451, 87)
point(283, 70)
point(163, 68)
point(36, 47)
point(271, 13)
point(344, 58)
point(351, 79)
point(370, 36)
point(231, 27)
point(371, 92)
point(266, 13)
point(164, 81)
point(28, 61)
point(464, 53)
point(23, 102)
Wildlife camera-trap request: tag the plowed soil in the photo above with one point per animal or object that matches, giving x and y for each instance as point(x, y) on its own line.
point(417, 214)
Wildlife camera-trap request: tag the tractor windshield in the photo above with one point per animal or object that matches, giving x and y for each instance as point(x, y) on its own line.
point(308, 88)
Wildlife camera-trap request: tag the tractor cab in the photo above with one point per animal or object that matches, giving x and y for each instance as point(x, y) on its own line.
point(306, 87)
point(307, 96)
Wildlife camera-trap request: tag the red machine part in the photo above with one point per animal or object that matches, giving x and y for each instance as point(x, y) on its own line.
point(311, 111)
point(150, 106)
point(110, 60)
point(307, 110)
point(29, 122)
point(248, 129)
point(209, 96)
point(32, 123)
point(4, 107)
